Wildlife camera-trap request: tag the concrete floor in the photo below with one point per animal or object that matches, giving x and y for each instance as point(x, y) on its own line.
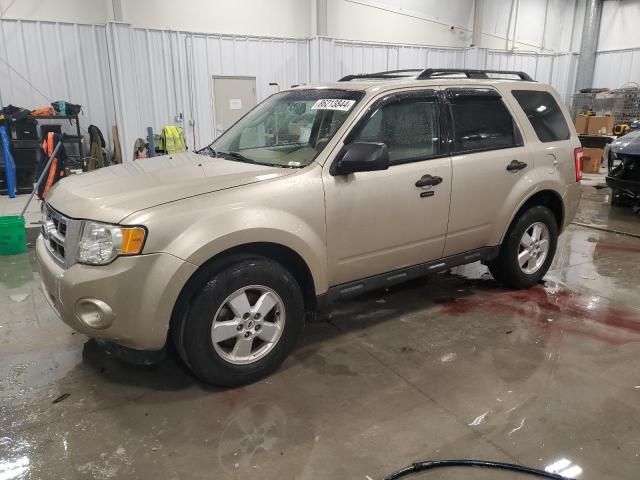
point(449, 367)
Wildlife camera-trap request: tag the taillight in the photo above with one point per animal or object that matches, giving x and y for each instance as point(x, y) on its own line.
point(577, 159)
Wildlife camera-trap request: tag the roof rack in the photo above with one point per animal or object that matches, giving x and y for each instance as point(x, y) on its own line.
point(382, 75)
point(434, 73)
point(470, 73)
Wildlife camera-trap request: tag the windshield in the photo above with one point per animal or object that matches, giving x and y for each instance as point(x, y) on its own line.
point(288, 129)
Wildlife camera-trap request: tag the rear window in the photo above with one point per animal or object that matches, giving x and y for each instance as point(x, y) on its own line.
point(481, 121)
point(544, 114)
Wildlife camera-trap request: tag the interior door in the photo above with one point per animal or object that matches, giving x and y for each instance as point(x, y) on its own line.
point(382, 221)
point(490, 165)
point(232, 98)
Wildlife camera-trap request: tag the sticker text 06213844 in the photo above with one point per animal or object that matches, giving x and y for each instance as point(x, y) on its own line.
point(333, 104)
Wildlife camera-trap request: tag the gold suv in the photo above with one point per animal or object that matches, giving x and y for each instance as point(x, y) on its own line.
point(317, 194)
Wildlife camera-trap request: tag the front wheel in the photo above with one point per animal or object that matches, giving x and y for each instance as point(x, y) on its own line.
point(241, 322)
point(614, 198)
point(528, 249)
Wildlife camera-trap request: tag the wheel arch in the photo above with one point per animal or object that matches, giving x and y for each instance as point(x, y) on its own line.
point(284, 255)
point(548, 198)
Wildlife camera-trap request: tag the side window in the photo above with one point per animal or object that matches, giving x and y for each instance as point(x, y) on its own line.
point(481, 121)
point(408, 126)
point(544, 114)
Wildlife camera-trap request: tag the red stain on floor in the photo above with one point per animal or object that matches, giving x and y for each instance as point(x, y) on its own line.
point(573, 311)
point(616, 248)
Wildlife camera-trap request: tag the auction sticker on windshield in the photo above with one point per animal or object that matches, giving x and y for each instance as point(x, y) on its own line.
point(333, 104)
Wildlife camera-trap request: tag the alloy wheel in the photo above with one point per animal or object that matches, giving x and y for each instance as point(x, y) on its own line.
point(533, 248)
point(248, 324)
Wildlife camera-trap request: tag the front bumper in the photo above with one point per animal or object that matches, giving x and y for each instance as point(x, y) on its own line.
point(629, 188)
point(139, 291)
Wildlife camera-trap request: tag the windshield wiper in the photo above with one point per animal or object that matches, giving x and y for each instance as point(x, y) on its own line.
point(208, 150)
point(239, 156)
point(236, 156)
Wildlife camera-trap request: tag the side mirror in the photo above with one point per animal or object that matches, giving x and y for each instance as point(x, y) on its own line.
point(361, 157)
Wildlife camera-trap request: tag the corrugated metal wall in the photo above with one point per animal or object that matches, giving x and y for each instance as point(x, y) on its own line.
point(331, 59)
point(135, 77)
point(164, 77)
point(139, 78)
point(149, 80)
point(563, 76)
point(557, 70)
point(41, 62)
point(270, 60)
point(616, 68)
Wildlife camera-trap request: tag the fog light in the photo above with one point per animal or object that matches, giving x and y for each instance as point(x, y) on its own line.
point(94, 313)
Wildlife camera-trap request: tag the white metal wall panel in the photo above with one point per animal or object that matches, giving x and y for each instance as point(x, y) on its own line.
point(563, 77)
point(42, 62)
point(165, 77)
point(139, 78)
point(283, 61)
point(332, 59)
point(445, 57)
point(411, 56)
point(362, 58)
point(528, 63)
point(159, 84)
point(126, 79)
point(615, 68)
point(557, 70)
point(321, 63)
point(475, 58)
point(150, 81)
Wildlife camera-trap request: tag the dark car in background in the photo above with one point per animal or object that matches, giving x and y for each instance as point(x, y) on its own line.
point(624, 178)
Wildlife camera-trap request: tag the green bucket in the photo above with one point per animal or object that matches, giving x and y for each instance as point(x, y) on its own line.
point(13, 236)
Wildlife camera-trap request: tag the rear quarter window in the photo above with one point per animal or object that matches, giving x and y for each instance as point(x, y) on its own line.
point(544, 114)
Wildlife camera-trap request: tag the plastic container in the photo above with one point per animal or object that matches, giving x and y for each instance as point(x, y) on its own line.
point(13, 236)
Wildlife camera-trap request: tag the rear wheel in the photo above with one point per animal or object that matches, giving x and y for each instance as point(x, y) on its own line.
point(241, 322)
point(528, 249)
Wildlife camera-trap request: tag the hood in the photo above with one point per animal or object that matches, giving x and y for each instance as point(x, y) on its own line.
point(628, 144)
point(110, 194)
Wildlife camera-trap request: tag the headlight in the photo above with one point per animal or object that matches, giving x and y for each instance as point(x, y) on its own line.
point(101, 243)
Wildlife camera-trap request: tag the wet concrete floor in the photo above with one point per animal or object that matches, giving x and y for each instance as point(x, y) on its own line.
point(450, 367)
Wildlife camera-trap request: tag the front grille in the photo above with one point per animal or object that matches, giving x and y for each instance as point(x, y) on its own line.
point(55, 231)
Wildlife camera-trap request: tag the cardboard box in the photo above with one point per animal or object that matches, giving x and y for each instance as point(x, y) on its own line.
point(596, 123)
point(591, 159)
point(582, 123)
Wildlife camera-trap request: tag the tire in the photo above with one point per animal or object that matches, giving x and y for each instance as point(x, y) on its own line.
point(506, 268)
point(614, 198)
point(219, 294)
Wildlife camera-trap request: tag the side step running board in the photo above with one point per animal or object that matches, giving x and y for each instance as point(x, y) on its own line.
point(385, 280)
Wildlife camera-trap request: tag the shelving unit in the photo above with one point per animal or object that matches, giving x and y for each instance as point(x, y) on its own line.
point(30, 149)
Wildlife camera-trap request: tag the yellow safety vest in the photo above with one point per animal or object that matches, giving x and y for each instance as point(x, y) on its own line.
point(172, 139)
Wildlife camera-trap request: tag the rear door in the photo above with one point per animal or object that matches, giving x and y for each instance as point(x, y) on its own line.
point(490, 167)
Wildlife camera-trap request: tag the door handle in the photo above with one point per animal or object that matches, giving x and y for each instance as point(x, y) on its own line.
point(428, 181)
point(516, 165)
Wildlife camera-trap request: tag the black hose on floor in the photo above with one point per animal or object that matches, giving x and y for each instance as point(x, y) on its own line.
point(604, 229)
point(433, 464)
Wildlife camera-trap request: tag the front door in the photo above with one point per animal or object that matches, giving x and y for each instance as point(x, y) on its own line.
point(382, 221)
point(232, 98)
